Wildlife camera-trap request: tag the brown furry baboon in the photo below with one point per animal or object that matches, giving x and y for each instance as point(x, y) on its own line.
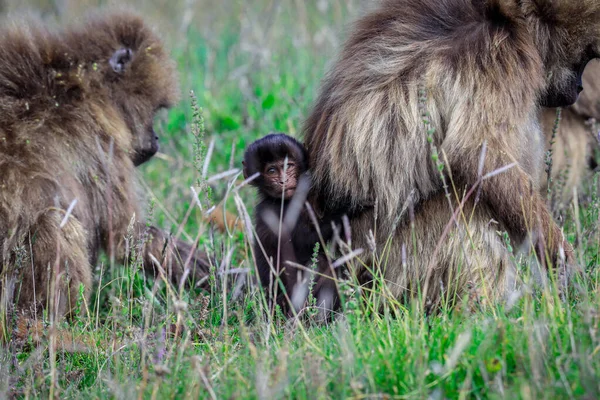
point(76, 117)
point(574, 140)
point(456, 85)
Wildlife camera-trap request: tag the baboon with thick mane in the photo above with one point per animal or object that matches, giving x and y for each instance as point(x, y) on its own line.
point(575, 141)
point(459, 81)
point(76, 117)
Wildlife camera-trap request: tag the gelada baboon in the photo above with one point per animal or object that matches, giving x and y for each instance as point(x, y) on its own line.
point(575, 141)
point(283, 184)
point(469, 77)
point(76, 117)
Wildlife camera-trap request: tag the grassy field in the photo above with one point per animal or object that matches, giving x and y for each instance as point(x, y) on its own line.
point(255, 66)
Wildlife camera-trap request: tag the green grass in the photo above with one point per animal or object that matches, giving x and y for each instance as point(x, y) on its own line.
point(255, 67)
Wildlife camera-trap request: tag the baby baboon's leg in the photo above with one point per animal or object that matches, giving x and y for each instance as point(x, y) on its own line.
point(325, 290)
point(58, 266)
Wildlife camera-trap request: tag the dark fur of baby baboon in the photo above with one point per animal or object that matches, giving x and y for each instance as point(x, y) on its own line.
point(282, 165)
point(461, 74)
point(76, 117)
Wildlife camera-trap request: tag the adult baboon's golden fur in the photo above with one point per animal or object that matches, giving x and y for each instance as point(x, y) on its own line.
point(76, 116)
point(575, 142)
point(477, 71)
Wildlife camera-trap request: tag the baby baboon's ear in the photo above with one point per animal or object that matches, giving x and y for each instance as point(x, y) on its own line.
point(120, 59)
point(245, 168)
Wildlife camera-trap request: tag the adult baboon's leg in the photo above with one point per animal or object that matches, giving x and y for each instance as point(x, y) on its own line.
point(446, 262)
point(180, 260)
point(56, 267)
